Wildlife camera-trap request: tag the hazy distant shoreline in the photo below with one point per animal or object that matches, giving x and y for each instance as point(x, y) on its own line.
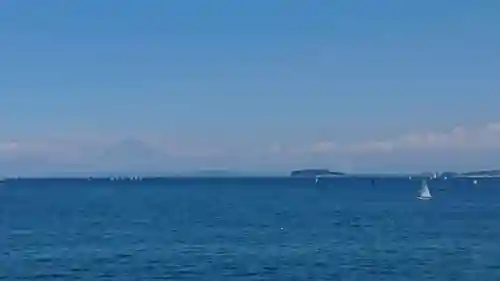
point(305, 173)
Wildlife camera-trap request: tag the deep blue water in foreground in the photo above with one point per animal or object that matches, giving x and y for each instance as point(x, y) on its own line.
point(249, 229)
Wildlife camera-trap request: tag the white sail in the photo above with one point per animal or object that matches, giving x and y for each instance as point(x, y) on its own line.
point(424, 191)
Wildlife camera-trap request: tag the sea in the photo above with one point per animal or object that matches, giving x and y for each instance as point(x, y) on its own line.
point(249, 229)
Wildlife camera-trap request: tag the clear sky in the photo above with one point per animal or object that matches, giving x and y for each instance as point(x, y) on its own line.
point(248, 85)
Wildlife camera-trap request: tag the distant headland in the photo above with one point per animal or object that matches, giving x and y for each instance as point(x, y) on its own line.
point(314, 173)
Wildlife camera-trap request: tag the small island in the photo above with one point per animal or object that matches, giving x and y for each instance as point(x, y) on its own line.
point(314, 173)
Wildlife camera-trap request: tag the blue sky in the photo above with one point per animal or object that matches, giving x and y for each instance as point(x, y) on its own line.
point(248, 85)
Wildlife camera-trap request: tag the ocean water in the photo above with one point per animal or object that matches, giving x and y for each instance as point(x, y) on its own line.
point(249, 229)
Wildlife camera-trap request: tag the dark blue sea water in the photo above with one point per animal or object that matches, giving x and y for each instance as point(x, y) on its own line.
point(249, 229)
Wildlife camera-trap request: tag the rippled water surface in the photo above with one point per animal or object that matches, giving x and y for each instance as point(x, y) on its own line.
point(248, 229)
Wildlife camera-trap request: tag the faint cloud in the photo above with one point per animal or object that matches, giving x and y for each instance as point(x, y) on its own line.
point(459, 137)
point(324, 147)
point(493, 127)
point(455, 138)
point(96, 152)
point(369, 146)
point(8, 146)
point(276, 148)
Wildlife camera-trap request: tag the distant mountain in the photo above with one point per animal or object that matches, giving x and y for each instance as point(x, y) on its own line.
point(314, 173)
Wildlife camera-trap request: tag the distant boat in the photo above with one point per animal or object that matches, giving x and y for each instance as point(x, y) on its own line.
point(317, 180)
point(424, 193)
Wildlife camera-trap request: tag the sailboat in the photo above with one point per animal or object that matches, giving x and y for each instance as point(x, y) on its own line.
point(424, 193)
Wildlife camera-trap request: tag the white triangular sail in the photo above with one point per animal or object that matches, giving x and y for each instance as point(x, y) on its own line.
point(424, 192)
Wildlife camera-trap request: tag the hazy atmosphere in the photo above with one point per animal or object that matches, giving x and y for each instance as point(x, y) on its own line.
point(255, 86)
